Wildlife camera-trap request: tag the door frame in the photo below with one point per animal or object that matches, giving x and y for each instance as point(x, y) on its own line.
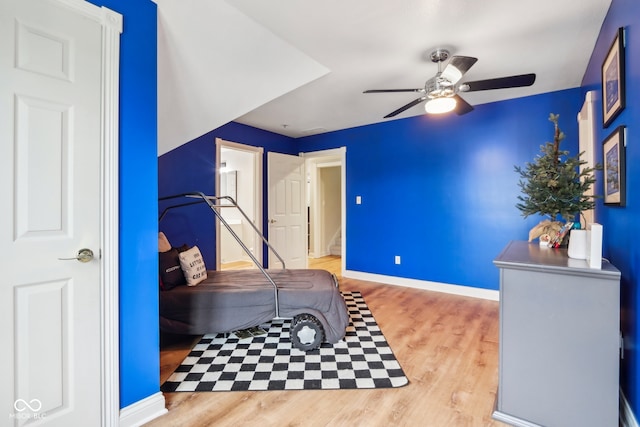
point(586, 141)
point(326, 158)
point(109, 267)
point(258, 154)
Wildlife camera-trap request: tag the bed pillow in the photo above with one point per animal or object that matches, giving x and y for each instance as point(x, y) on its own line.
point(193, 266)
point(171, 274)
point(163, 243)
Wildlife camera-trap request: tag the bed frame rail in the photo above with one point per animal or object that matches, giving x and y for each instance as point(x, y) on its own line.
point(215, 203)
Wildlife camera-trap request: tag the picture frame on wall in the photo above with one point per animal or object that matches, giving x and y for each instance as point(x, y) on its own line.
point(614, 170)
point(613, 80)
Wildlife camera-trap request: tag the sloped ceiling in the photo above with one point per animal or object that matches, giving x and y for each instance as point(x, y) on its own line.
point(216, 64)
point(299, 67)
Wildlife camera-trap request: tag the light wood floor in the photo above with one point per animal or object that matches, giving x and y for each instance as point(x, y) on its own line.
point(447, 346)
point(237, 265)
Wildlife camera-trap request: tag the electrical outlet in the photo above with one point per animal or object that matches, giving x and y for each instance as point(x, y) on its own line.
point(397, 259)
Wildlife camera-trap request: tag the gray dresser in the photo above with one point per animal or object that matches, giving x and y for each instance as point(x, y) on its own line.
point(559, 339)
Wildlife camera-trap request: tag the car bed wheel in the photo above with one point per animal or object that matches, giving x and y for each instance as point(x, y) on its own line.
point(306, 332)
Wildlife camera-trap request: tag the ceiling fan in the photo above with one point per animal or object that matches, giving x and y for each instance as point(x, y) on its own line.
point(441, 91)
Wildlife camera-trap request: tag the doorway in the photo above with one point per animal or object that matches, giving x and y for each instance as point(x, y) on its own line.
point(326, 205)
point(239, 175)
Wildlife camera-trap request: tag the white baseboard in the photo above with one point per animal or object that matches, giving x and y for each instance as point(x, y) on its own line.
point(627, 418)
point(143, 411)
point(468, 291)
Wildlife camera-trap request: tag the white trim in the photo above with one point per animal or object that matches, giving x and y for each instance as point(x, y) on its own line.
point(320, 164)
point(110, 336)
point(586, 138)
point(258, 167)
point(342, 153)
point(83, 7)
point(239, 146)
point(325, 153)
point(143, 411)
point(627, 418)
point(467, 291)
point(111, 23)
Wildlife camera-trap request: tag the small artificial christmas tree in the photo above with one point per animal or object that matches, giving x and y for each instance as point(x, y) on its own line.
point(553, 185)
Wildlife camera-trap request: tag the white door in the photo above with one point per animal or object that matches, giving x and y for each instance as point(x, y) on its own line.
point(287, 212)
point(50, 133)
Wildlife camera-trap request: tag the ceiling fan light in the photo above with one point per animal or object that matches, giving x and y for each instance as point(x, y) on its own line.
point(440, 105)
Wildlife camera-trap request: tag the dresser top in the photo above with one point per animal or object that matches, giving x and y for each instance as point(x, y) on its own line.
point(531, 256)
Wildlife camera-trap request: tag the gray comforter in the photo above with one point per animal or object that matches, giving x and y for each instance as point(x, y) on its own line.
point(238, 299)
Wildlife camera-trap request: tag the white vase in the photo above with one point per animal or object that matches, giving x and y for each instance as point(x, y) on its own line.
point(577, 244)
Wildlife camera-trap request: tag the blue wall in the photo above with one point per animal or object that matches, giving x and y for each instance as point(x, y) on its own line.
point(191, 167)
point(441, 192)
point(621, 225)
point(139, 337)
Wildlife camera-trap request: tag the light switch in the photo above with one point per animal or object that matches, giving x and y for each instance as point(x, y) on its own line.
point(358, 200)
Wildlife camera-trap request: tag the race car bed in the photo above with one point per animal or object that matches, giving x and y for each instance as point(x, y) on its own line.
point(233, 300)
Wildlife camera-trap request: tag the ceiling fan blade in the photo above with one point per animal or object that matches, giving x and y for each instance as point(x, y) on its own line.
point(457, 67)
point(406, 107)
point(499, 83)
point(462, 106)
point(392, 90)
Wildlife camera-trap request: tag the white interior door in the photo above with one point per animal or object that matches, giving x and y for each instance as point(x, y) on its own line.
point(287, 210)
point(50, 166)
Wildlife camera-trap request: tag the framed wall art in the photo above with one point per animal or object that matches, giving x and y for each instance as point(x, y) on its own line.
point(613, 155)
point(613, 90)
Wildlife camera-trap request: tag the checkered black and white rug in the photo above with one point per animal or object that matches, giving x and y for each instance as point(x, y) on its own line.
point(363, 359)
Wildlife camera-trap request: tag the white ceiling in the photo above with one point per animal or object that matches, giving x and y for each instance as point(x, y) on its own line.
point(299, 67)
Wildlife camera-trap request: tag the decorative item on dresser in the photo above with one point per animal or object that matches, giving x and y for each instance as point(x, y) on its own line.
point(555, 186)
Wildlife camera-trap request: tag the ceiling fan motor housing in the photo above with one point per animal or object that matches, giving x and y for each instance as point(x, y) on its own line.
point(439, 87)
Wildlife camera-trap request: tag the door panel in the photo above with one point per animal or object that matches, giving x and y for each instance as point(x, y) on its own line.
point(50, 158)
point(42, 328)
point(41, 149)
